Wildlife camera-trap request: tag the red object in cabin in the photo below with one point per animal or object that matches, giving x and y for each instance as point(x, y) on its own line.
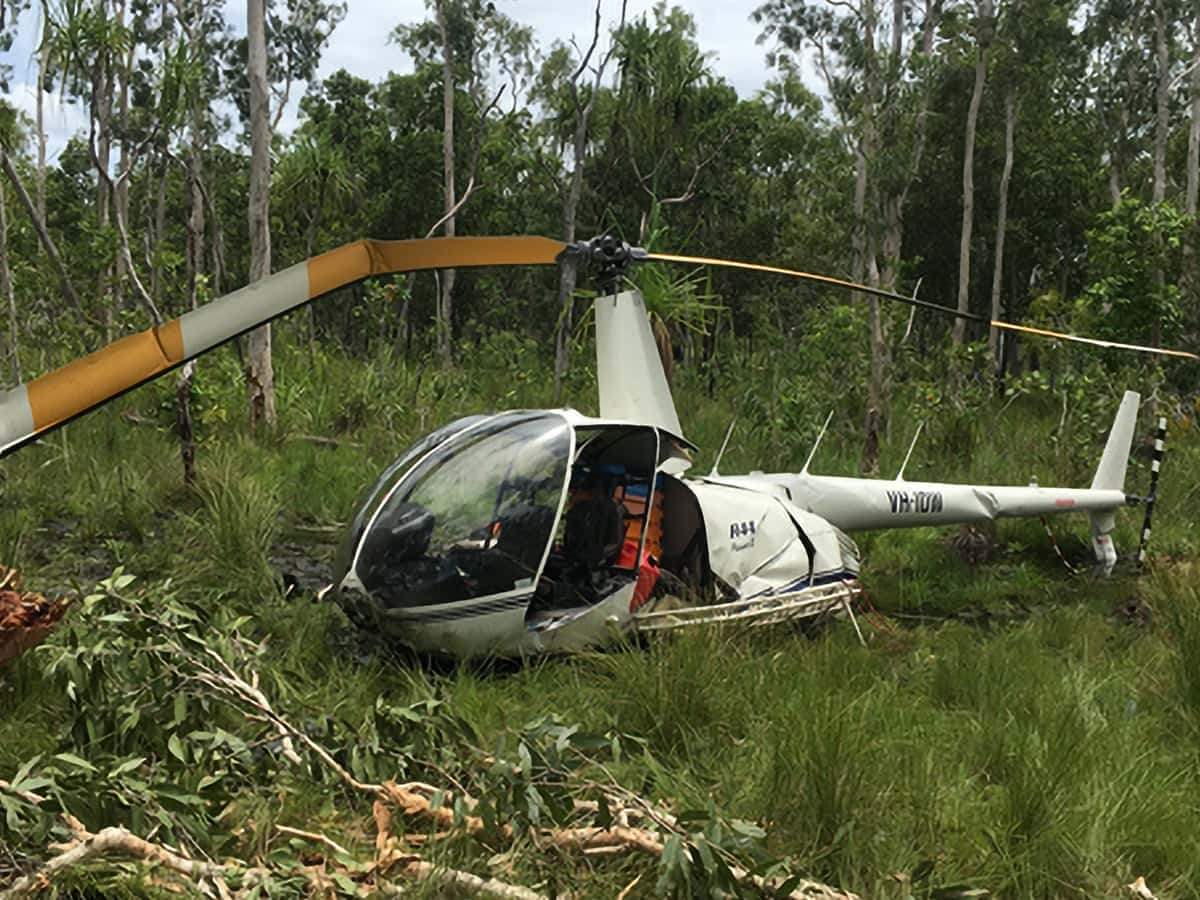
point(647, 573)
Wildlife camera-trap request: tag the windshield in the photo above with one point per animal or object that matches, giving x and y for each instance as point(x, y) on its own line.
point(368, 501)
point(473, 518)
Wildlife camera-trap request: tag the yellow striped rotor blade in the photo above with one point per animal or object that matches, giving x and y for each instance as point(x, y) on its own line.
point(42, 404)
point(1095, 342)
point(815, 278)
point(913, 301)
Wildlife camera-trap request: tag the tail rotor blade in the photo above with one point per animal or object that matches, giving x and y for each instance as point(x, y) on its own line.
point(57, 397)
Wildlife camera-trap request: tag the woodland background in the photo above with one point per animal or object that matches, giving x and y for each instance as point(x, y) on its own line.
point(1010, 727)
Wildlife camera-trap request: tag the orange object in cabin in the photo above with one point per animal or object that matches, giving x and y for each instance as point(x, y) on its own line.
point(633, 497)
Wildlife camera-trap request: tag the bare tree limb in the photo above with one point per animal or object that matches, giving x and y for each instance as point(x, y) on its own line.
point(463, 881)
point(118, 842)
point(28, 796)
point(466, 195)
point(39, 226)
point(313, 836)
point(122, 231)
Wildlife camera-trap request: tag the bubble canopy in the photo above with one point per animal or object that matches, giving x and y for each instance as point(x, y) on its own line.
point(470, 511)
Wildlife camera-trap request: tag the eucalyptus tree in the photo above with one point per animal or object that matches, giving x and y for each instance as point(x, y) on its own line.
point(1132, 42)
point(39, 107)
point(194, 84)
point(472, 43)
point(7, 296)
point(569, 86)
point(91, 42)
point(39, 223)
point(260, 372)
point(278, 51)
point(985, 28)
point(8, 127)
point(1033, 69)
point(664, 130)
point(1192, 189)
point(877, 70)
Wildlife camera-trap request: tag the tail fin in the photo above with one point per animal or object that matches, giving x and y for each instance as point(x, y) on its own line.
point(1110, 475)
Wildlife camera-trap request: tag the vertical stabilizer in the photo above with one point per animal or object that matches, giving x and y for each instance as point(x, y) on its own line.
point(1110, 475)
point(633, 386)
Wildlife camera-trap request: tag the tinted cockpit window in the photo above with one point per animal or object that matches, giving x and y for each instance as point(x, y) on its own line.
point(369, 500)
point(473, 518)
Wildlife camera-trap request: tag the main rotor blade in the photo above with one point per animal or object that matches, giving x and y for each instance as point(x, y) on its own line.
point(1095, 342)
point(913, 301)
point(810, 276)
point(59, 396)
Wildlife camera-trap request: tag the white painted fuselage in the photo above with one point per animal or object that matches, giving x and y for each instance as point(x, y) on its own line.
point(864, 504)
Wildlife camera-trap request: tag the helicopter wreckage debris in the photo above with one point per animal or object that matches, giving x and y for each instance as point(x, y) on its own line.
point(25, 618)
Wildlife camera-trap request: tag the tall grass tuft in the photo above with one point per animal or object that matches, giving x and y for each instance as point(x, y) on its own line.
point(1181, 613)
point(235, 526)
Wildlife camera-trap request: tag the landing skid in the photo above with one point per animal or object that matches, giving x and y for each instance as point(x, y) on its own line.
point(807, 603)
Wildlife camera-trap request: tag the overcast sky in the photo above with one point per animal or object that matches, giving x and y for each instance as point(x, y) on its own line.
point(360, 45)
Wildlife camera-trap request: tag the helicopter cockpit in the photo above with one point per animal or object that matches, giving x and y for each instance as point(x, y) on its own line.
point(471, 517)
point(527, 517)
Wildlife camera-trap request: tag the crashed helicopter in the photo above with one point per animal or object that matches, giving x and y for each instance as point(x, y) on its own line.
point(534, 531)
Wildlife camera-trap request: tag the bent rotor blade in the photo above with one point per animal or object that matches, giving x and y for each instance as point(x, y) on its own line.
point(913, 301)
point(57, 397)
point(1095, 342)
point(810, 276)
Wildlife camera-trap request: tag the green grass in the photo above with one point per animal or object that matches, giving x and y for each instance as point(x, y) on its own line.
point(1005, 730)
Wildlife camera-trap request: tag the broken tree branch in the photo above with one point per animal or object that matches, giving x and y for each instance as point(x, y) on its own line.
point(117, 841)
point(313, 836)
point(463, 881)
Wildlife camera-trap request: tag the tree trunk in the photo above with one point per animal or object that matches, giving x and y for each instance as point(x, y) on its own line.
point(217, 243)
point(195, 261)
point(1193, 151)
point(6, 291)
point(1010, 124)
point(1162, 54)
point(1116, 159)
point(260, 376)
point(968, 178)
point(866, 263)
point(102, 106)
point(568, 267)
point(1191, 275)
point(567, 274)
point(39, 225)
point(160, 225)
point(124, 76)
point(39, 187)
point(445, 316)
point(893, 212)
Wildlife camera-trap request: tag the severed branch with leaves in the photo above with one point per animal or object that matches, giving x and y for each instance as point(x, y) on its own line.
point(545, 789)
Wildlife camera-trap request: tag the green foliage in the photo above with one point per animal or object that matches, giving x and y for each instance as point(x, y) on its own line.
point(1133, 258)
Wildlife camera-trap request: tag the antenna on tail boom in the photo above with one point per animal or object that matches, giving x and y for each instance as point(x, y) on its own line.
point(908, 456)
point(721, 452)
point(816, 444)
